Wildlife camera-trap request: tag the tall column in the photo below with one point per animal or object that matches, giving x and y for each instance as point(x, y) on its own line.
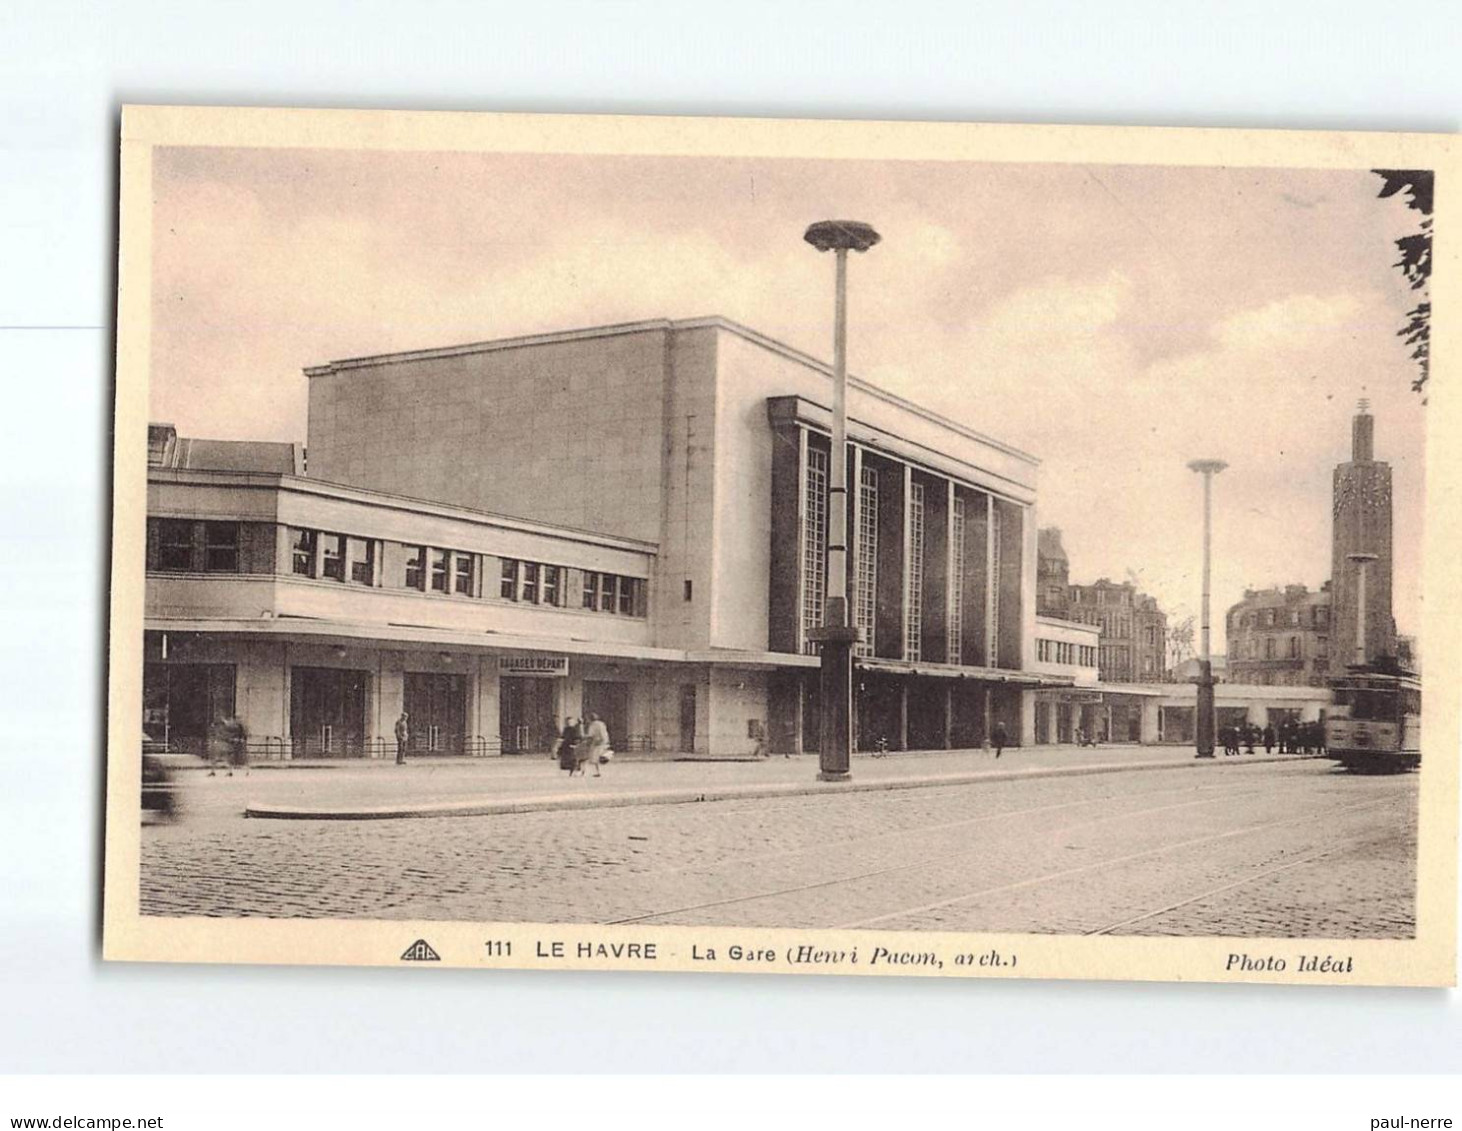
point(904, 713)
point(1208, 468)
point(837, 636)
point(992, 583)
point(951, 630)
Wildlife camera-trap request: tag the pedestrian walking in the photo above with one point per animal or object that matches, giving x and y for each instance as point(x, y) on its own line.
point(998, 738)
point(594, 746)
point(1268, 738)
point(403, 737)
point(569, 740)
point(1249, 734)
point(236, 740)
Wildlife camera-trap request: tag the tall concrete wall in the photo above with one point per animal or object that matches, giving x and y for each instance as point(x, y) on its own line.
point(563, 431)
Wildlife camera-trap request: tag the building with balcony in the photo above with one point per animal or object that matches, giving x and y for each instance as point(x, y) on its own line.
point(627, 520)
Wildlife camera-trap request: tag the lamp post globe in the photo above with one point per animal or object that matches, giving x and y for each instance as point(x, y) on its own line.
point(837, 636)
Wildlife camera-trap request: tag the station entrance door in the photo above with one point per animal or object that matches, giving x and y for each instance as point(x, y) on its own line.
point(525, 715)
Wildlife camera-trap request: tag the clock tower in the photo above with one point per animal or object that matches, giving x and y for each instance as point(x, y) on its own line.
point(1362, 514)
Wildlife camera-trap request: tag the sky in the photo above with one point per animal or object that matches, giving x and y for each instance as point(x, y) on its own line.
point(1114, 321)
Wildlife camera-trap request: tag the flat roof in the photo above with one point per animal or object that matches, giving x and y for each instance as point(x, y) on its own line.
point(712, 321)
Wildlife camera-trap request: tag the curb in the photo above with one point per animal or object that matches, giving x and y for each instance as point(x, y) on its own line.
point(564, 802)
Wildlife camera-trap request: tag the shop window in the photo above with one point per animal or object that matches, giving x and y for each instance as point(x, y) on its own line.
point(174, 545)
point(463, 581)
point(552, 585)
point(530, 583)
point(362, 561)
point(302, 551)
point(416, 568)
point(439, 560)
point(221, 547)
point(332, 565)
point(508, 585)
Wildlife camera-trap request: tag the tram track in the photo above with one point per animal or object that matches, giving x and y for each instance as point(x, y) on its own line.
point(1310, 858)
point(946, 858)
point(1229, 792)
point(1099, 865)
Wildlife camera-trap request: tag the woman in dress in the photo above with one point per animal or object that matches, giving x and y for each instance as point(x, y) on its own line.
point(596, 742)
point(569, 740)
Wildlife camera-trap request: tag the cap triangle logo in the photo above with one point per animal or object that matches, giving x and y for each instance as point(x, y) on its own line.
point(420, 951)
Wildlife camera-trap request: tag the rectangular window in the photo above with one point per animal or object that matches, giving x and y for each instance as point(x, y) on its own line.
point(529, 592)
point(814, 544)
point(867, 564)
point(416, 568)
point(463, 583)
point(608, 593)
point(362, 561)
point(174, 545)
point(333, 563)
point(508, 585)
point(552, 585)
point(627, 587)
point(439, 570)
point(914, 579)
point(591, 590)
point(221, 547)
point(1269, 647)
point(303, 544)
point(1294, 647)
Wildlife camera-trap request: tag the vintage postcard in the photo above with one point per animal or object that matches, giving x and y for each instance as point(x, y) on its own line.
point(785, 547)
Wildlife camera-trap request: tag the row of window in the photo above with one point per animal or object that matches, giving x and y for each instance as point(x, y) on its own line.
point(1319, 618)
point(185, 546)
point(1295, 647)
point(1066, 652)
point(189, 546)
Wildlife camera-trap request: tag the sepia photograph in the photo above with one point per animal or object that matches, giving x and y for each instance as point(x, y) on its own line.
point(783, 547)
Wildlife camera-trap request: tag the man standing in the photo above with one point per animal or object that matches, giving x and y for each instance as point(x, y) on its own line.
point(403, 737)
point(998, 738)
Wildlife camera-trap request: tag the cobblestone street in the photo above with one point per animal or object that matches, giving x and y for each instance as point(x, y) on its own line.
point(1297, 849)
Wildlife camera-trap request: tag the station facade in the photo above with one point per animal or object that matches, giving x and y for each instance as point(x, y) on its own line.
point(627, 520)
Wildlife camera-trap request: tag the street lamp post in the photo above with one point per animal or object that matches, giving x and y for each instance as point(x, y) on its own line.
point(1361, 560)
point(1208, 468)
point(837, 636)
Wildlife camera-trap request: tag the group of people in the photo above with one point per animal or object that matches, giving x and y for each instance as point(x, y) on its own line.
point(578, 746)
point(1291, 737)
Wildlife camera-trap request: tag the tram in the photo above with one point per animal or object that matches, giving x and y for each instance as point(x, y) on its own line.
point(1374, 721)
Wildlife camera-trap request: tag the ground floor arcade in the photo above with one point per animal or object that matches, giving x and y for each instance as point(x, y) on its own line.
point(308, 696)
point(300, 697)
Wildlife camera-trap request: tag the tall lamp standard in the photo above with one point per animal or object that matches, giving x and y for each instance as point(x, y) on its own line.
point(1207, 468)
point(837, 636)
point(1361, 560)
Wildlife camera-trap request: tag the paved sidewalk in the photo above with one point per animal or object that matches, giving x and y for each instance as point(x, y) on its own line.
point(378, 791)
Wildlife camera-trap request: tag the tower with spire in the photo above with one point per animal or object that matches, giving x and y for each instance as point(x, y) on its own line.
point(1362, 514)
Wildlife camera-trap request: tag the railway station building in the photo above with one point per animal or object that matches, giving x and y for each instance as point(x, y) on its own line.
point(628, 520)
